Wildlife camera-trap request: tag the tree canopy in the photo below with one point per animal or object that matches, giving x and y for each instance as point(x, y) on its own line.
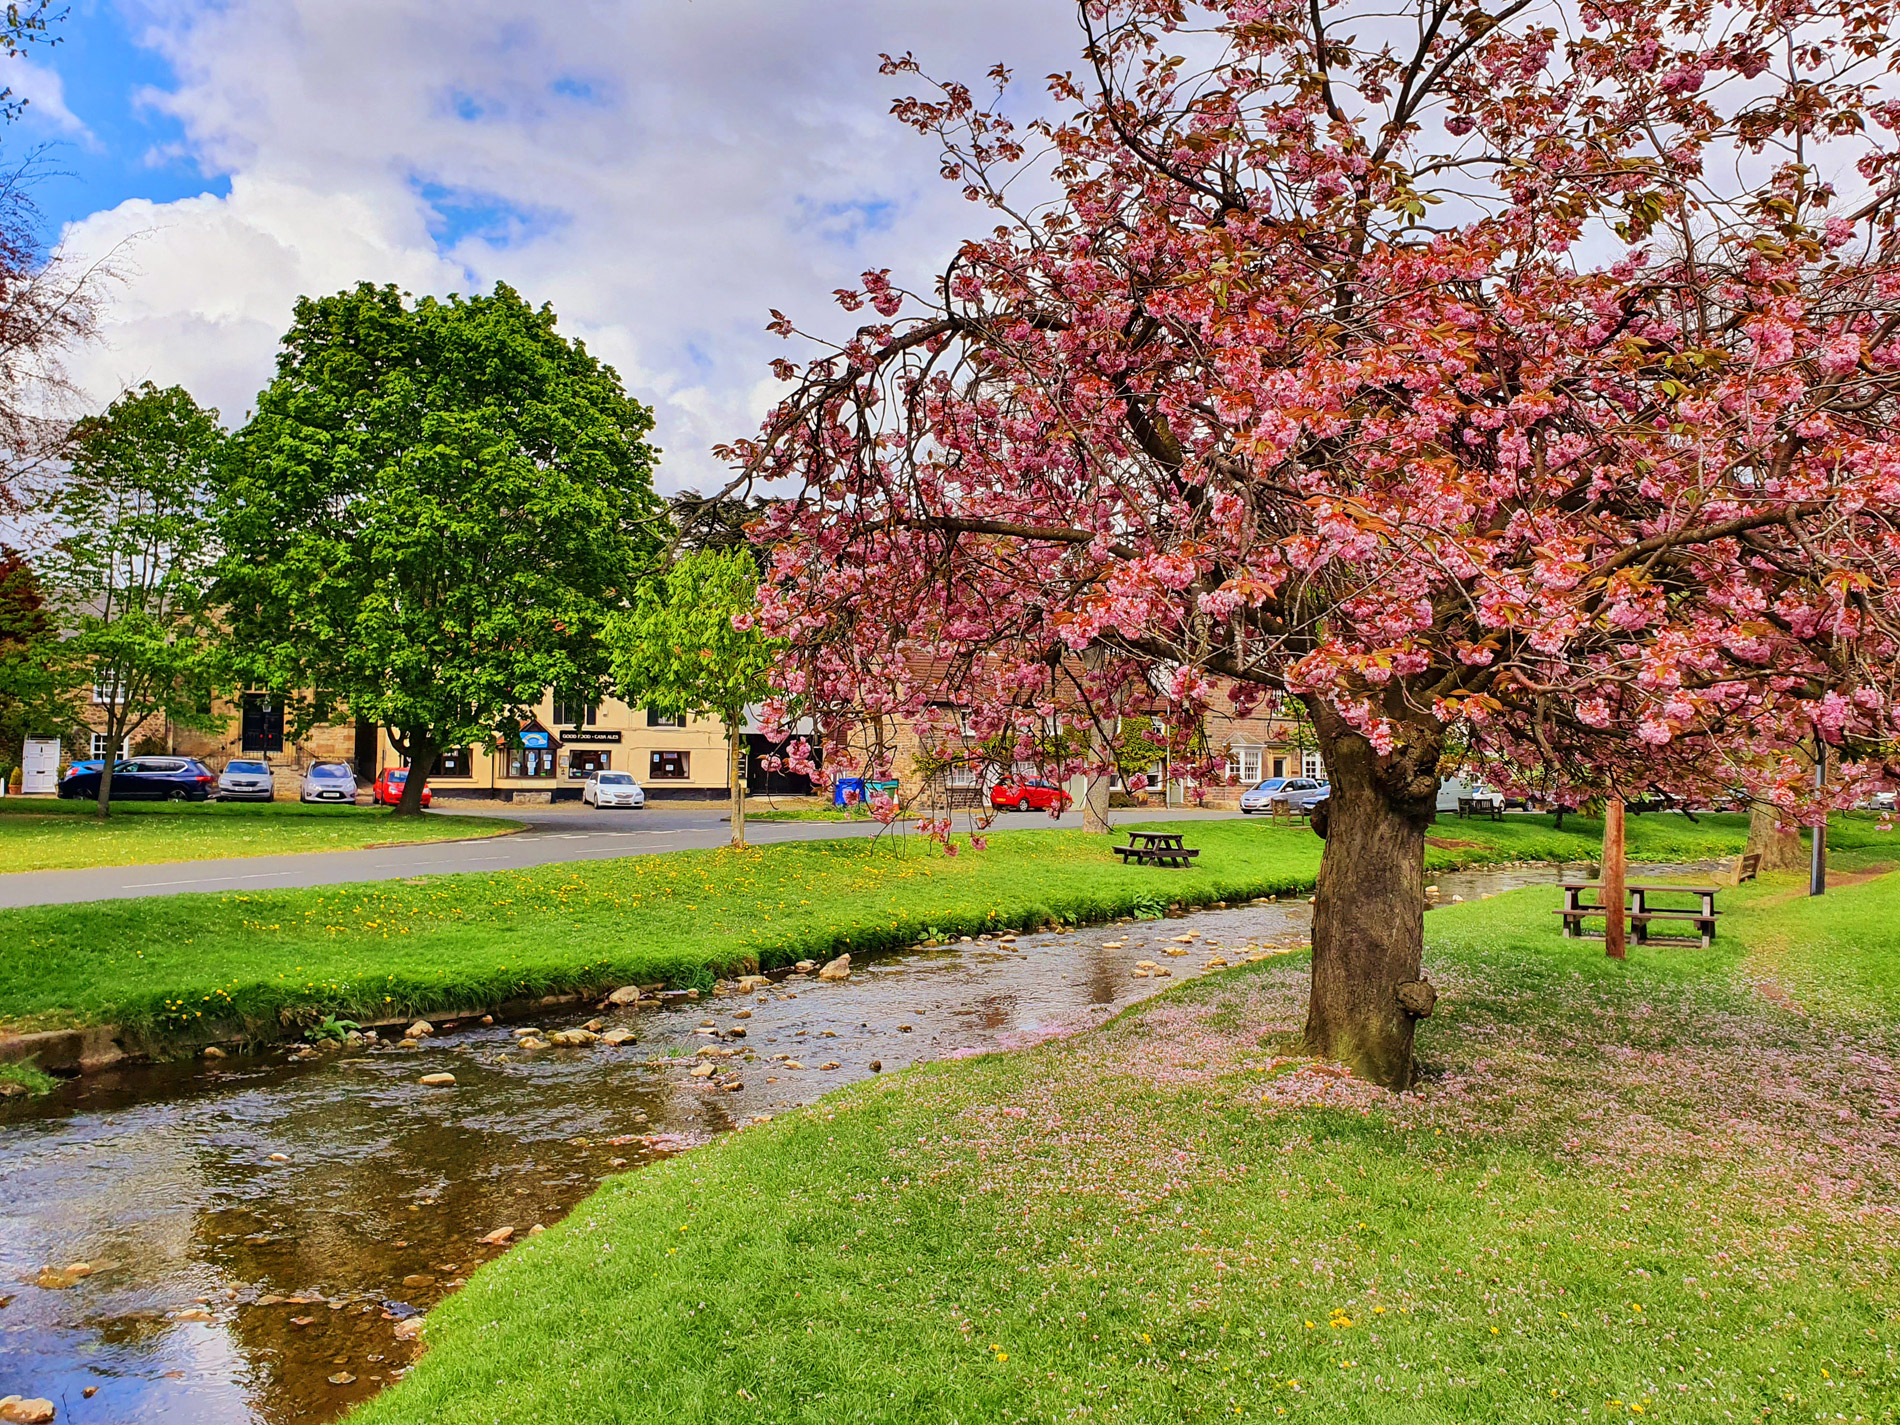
point(1504, 377)
point(131, 575)
point(691, 645)
point(431, 515)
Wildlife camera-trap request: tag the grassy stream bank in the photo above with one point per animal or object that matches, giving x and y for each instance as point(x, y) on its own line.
point(1660, 1190)
point(182, 969)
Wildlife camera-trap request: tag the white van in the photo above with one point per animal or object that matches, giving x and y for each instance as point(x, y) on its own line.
point(1455, 789)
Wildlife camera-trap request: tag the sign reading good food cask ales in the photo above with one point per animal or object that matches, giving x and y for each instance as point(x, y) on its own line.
point(589, 734)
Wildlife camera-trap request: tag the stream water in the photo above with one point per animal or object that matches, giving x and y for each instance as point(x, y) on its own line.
point(248, 1236)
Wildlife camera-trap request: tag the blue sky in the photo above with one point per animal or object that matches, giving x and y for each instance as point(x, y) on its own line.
point(661, 171)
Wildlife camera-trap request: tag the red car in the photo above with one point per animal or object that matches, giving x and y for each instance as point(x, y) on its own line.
point(387, 790)
point(1025, 796)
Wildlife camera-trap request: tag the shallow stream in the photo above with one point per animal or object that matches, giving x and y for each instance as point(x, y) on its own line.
point(254, 1231)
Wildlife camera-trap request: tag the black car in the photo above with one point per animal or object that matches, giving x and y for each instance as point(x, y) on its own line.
point(177, 779)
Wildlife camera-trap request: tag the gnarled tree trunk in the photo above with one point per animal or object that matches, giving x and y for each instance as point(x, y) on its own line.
point(1369, 915)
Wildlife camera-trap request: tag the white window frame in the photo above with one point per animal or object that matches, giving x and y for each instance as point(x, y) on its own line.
point(959, 775)
point(1243, 765)
point(99, 747)
point(1312, 767)
point(111, 686)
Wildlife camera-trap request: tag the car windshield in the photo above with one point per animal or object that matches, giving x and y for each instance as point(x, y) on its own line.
point(615, 779)
point(1272, 784)
point(246, 767)
point(398, 774)
point(330, 772)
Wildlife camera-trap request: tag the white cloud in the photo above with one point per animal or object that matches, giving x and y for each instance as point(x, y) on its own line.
point(662, 171)
point(45, 92)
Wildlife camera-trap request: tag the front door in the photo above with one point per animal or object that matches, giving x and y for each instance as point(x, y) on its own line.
point(39, 765)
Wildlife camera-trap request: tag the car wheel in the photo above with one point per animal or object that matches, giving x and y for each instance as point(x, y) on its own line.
point(178, 794)
point(1022, 804)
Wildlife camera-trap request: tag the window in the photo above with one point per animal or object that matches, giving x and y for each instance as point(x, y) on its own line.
point(99, 746)
point(261, 723)
point(1311, 766)
point(669, 766)
point(655, 719)
point(573, 710)
point(107, 689)
point(960, 774)
point(583, 762)
point(452, 762)
point(530, 761)
point(1243, 764)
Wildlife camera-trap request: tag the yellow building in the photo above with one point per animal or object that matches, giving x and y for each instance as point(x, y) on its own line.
point(549, 755)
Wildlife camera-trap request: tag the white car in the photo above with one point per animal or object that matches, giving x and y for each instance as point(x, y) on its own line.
point(246, 780)
point(329, 782)
point(613, 789)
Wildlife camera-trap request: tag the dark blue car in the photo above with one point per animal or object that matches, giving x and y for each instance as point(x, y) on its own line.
point(176, 779)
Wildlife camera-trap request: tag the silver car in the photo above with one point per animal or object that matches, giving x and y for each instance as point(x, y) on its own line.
point(329, 782)
point(613, 789)
point(246, 781)
point(1259, 797)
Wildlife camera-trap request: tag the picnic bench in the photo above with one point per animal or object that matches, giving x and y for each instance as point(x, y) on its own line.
point(1480, 806)
point(1156, 848)
point(1287, 810)
point(1641, 913)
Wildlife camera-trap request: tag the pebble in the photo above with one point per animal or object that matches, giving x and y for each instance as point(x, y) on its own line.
point(877, 1066)
point(536, 1230)
point(212, 1051)
point(742, 1014)
point(437, 1080)
point(626, 994)
point(409, 1329)
point(614, 1038)
point(421, 1029)
point(573, 1036)
point(24, 1411)
point(829, 1064)
point(702, 1071)
point(418, 1279)
point(342, 1378)
point(498, 1236)
point(531, 1042)
point(840, 968)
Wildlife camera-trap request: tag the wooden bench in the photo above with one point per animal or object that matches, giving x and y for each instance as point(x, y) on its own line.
point(1641, 913)
point(1285, 810)
point(1156, 848)
point(1480, 806)
point(1746, 868)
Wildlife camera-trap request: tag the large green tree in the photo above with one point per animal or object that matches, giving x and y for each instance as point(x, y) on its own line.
point(431, 515)
point(690, 646)
point(130, 577)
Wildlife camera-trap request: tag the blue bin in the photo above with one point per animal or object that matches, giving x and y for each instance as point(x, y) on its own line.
point(847, 790)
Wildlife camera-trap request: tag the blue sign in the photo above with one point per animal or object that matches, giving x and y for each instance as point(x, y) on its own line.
point(534, 739)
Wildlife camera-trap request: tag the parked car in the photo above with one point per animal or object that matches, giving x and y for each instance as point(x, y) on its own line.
point(613, 789)
point(1026, 796)
point(386, 790)
point(1259, 797)
point(329, 782)
point(176, 779)
point(1454, 789)
point(246, 781)
point(1298, 793)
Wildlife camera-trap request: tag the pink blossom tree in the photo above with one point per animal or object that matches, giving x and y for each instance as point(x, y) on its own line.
point(1511, 381)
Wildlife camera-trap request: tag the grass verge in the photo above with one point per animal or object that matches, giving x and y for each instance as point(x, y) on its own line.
point(29, 1077)
point(39, 835)
point(1640, 1191)
point(193, 967)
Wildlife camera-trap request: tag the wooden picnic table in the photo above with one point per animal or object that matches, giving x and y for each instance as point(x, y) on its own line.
point(1156, 848)
point(1641, 913)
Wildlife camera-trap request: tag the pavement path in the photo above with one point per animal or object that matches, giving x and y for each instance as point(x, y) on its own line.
point(555, 834)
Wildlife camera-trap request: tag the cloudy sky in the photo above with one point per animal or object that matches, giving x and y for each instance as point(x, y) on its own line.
point(662, 171)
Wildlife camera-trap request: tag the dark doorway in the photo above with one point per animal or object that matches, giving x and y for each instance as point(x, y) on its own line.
point(261, 723)
point(366, 768)
point(781, 782)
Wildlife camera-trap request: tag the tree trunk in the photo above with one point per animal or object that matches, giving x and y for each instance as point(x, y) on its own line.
point(1369, 914)
point(105, 785)
point(1615, 927)
point(1095, 790)
point(422, 755)
point(1779, 850)
point(735, 776)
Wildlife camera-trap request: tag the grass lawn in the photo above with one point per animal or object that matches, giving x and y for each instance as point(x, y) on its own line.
point(1663, 1190)
point(40, 835)
point(199, 965)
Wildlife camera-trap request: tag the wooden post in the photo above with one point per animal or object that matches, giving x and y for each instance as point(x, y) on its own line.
point(1615, 927)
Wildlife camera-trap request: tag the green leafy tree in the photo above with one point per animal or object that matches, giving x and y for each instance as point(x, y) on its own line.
point(689, 647)
point(131, 576)
point(431, 515)
point(33, 698)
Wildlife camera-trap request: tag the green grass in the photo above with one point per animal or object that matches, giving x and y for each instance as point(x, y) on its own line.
point(39, 835)
point(197, 965)
point(29, 1076)
point(1626, 1191)
point(808, 814)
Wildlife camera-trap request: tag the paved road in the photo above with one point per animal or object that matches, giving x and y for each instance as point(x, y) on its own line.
point(557, 833)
